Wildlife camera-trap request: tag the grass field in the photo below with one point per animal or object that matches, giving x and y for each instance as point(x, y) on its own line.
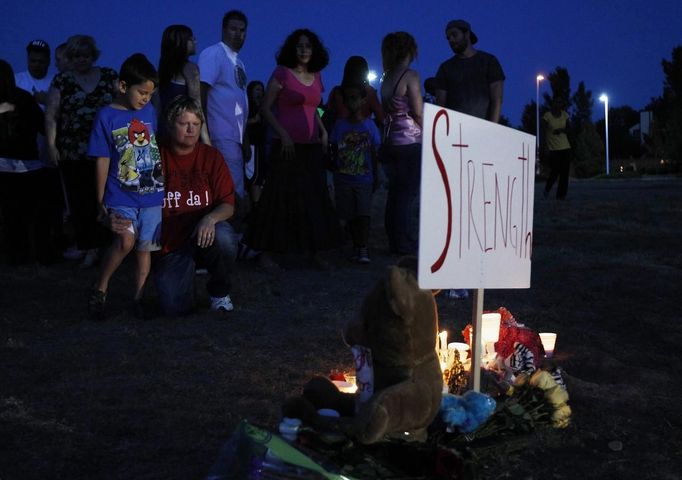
point(156, 399)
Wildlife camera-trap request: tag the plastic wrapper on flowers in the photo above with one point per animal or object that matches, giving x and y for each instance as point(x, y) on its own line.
point(555, 394)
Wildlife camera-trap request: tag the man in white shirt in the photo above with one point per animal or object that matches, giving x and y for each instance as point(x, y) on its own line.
point(36, 79)
point(223, 94)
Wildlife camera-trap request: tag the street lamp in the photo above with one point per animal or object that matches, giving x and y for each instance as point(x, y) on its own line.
point(604, 98)
point(538, 79)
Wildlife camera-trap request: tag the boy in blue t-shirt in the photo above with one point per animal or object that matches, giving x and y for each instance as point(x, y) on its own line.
point(357, 141)
point(129, 176)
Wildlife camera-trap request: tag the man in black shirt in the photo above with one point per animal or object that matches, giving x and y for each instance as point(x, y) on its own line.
point(472, 81)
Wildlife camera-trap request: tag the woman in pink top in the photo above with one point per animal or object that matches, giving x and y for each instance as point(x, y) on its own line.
point(295, 213)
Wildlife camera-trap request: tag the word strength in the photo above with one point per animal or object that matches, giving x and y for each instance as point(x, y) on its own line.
point(477, 199)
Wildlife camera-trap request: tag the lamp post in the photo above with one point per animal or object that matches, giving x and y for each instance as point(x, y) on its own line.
point(538, 79)
point(604, 98)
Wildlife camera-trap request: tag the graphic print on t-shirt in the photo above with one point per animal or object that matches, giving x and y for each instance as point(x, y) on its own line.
point(352, 151)
point(240, 76)
point(139, 166)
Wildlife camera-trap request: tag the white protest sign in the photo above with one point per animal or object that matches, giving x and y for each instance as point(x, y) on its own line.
point(476, 213)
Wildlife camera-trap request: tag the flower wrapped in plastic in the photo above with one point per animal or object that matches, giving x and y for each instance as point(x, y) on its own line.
point(555, 394)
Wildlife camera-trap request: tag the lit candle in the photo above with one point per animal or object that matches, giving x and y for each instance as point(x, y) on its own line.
point(460, 347)
point(548, 342)
point(490, 333)
point(490, 327)
point(443, 336)
point(345, 387)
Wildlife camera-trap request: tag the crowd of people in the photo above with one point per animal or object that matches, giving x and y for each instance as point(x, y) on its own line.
point(191, 164)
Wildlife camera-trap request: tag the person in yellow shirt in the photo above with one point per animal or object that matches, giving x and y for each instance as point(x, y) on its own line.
point(555, 124)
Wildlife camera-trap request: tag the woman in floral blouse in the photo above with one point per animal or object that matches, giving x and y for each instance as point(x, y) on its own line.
point(73, 100)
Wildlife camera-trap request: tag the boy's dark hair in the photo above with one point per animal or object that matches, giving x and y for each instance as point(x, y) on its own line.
point(347, 87)
point(137, 69)
point(287, 54)
point(235, 15)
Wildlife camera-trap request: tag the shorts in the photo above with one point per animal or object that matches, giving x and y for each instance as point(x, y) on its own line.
point(353, 200)
point(146, 226)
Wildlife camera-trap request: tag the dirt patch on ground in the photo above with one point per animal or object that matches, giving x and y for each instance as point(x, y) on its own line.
point(156, 399)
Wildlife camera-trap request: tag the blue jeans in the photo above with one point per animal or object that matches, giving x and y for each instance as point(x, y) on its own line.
point(174, 272)
point(402, 164)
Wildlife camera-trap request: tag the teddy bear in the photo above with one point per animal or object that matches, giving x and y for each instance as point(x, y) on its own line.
point(398, 323)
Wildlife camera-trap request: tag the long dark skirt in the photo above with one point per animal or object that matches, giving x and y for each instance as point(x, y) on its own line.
point(295, 213)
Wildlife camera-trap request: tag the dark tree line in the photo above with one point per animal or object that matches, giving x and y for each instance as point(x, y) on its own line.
point(665, 141)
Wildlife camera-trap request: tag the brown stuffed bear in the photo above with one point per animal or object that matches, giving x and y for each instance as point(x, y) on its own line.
point(399, 323)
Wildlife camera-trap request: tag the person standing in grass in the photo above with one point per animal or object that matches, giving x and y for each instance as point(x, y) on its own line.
point(357, 139)
point(295, 213)
point(74, 98)
point(129, 177)
point(401, 156)
point(555, 125)
point(223, 95)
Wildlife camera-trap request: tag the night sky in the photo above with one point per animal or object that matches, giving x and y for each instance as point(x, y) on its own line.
point(614, 46)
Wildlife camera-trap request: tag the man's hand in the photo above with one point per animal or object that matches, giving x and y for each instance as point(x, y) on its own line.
point(114, 221)
point(205, 232)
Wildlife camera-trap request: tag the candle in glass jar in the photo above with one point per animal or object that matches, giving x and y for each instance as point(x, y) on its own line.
point(548, 342)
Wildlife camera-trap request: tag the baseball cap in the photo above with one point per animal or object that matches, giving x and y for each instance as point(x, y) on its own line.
point(464, 26)
point(38, 46)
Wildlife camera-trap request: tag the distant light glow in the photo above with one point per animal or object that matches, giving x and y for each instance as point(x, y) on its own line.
point(603, 98)
point(540, 78)
point(371, 76)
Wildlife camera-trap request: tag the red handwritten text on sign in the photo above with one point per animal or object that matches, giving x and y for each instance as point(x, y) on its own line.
point(478, 193)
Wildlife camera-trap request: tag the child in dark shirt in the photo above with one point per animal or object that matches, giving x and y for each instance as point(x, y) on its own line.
point(357, 140)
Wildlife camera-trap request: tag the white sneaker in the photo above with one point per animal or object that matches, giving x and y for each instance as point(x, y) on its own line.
point(222, 303)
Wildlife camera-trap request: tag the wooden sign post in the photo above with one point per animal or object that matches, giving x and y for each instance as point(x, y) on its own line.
point(476, 212)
